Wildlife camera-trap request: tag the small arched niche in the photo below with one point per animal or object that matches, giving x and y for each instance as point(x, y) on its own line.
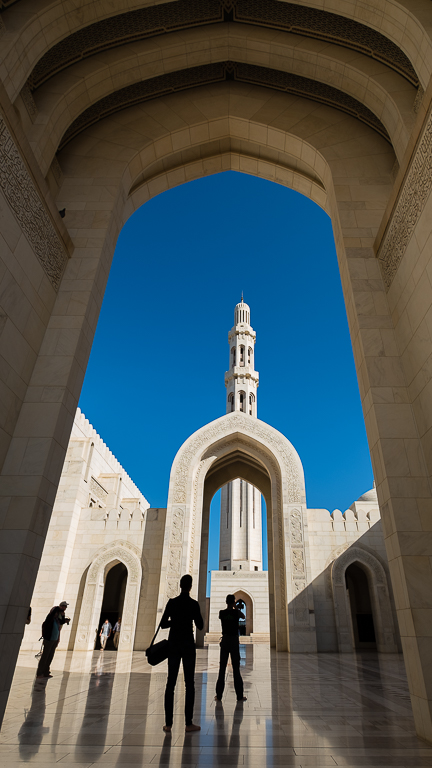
point(360, 589)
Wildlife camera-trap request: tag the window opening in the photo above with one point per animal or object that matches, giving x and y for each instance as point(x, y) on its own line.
point(251, 402)
point(89, 461)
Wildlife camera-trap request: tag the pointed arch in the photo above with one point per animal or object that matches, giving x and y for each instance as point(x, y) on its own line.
point(117, 551)
point(380, 599)
point(238, 446)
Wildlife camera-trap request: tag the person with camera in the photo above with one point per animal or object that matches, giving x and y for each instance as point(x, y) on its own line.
point(230, 646)
point(51, 638)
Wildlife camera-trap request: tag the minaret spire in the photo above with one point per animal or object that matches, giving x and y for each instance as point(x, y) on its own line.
point(240, 523)
point(242, 379)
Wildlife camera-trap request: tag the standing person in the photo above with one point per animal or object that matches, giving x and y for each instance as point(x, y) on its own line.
point(230, 646)
point(179, 615)
point(105, 633)
point(51, 637)
point(117, 628)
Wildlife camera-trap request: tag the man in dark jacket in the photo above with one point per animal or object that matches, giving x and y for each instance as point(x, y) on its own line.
point(230, 646)
point(52, 625)
point(179, 616)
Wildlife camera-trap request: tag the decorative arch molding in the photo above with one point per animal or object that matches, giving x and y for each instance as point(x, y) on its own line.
point(376, 34)
point(205, 456)
point(130, 556)
point(207, 74)
point(70, 106)
point(380, 599)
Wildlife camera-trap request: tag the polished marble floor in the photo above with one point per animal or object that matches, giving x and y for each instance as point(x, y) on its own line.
point(302, 710)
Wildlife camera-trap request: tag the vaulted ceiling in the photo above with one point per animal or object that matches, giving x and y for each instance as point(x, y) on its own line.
point(360, 61)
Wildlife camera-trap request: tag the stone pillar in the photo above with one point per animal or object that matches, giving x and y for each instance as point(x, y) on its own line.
point(68, 293)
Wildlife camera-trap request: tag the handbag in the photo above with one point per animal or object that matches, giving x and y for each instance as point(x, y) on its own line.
point(157, 652)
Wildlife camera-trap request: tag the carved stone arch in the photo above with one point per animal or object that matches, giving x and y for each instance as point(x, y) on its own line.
point(380, 599)
point(130, 556)
point(201, 466)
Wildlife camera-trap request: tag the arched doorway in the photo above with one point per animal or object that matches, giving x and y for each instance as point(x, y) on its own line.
point(236, 446)
point(360, 589)
point(98, 587)
point(246, 627)
point(113, 600)
point(357, 585)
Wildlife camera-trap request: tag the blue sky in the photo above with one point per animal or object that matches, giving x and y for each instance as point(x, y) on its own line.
point(156, 370)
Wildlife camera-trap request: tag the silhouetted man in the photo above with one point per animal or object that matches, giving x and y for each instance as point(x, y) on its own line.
point(51, 638)
point(230, 646)
point(179, 616)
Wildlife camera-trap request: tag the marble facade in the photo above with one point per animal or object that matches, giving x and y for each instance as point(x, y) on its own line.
point(101, 519)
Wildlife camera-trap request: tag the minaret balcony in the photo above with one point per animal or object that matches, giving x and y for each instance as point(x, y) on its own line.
point(243, 372)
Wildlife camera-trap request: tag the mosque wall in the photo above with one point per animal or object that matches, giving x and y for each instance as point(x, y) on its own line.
point(330, 535)
point(96, 507)
point(100, 513)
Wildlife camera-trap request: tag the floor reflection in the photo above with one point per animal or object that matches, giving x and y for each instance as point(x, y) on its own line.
point(305, 710)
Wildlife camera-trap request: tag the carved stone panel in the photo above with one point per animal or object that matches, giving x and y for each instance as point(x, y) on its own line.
point(23, 198)
point(410, 204)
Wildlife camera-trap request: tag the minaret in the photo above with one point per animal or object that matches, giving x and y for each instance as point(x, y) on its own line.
point(240, 523)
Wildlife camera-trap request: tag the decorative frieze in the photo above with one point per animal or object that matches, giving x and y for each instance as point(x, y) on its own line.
point(23, 198)
point(174, 554)
point(298, 568)
point(98, 489)
point(249, 426)
point(412, 198)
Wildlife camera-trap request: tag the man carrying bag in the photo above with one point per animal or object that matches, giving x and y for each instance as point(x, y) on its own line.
point(179, 616)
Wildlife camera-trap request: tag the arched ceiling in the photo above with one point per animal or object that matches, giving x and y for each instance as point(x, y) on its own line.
point(62, 56)
point(213, 73)
point(157, 20)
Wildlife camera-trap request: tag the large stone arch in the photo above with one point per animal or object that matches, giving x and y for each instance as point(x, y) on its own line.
point(232, 446)
point(381, 225)
point(380, 598)
point(118, 551)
